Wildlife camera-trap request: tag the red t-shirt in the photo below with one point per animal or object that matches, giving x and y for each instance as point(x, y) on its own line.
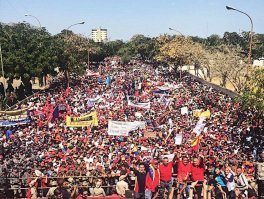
point(165, 172)
point(183, 171)
point(198, 173)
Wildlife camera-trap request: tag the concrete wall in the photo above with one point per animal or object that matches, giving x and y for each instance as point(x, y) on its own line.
point(223, 90)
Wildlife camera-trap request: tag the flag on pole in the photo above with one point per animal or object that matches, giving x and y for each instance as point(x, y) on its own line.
point(90, 103)
point(55, 113)
point(196, 143)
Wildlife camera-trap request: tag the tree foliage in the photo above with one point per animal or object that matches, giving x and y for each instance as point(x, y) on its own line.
point(33, 52)
point(253, 96)
point(27, 51)
point(178, 51)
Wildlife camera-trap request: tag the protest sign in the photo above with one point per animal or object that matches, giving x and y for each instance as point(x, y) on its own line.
point(91, 73)
point(150, 135)
point(145, 105)
point(81, 121)
point(184, 110)
point(200, 113)
point(170, 157)
point(135, 125)
point(117, 128)
point(123, 128)
point(163, 88)
point(197, 112)
point(14, 122)
point(199, 126)
point(95, 99)
point(178, 139)
point(206, 114)
point(16, 112)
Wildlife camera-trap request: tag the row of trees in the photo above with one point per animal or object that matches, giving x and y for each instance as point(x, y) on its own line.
point(33, 52)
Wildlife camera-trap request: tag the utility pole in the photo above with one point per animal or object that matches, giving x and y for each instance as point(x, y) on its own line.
point(2, 67)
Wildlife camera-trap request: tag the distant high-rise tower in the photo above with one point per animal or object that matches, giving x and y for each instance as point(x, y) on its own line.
point(99, 35)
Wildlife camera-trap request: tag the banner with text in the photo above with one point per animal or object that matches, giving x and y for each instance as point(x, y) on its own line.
point(200, 113)
point(145, 105)
point(14, 122)
point(178, 139)
point(119, 128)
point(84, 120)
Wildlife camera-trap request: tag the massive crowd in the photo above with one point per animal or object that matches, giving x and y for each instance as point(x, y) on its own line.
point(166, 157)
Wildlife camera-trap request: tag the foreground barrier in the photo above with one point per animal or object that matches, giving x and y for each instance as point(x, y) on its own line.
point(216, 87)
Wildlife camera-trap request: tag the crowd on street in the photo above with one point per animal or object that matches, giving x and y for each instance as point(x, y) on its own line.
point(132, 131)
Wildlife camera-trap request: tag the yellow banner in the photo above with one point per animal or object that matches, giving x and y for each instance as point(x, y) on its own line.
point(14, 117)
point(206, 114)
point(16, 112)
point(84, 120)
point(199, 113)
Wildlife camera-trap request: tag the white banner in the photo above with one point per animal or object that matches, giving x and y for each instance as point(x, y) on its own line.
point(170, 157)
point(118, 128)
point(145, 105)
point(199, 126)
point(135, 125)
point(94, 99)
point(163, 88)
point(184, 110)
point(91, 73)
point(178, 139)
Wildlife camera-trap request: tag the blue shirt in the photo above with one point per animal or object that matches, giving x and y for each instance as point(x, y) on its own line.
point(9, 133)
point(220, 179)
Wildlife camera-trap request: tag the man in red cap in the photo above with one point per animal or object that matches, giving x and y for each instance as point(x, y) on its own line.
point(152, 179)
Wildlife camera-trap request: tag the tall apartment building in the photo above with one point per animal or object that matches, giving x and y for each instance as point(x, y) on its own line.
point(99, 35)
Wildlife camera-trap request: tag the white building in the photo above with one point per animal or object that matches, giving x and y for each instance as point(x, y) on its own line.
point(99, 35)
point(259, 62)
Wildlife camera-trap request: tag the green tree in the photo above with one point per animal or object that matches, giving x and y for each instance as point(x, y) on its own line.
point(27, 51)
point(258, 46)
point(178, 51)
point(253, 96)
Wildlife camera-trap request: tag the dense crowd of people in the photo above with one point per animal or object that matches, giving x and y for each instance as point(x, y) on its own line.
point(166, 157)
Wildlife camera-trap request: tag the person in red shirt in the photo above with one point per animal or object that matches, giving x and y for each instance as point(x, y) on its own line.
point(165, 170)
point(152, 179)
point(197, 171)
point(183, 174)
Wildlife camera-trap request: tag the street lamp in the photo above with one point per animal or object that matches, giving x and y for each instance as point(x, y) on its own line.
point(73, 25)
point(172, 29)
point(176, 31)
point(88, 51)
point(28, 15)
point(66, 35)
point(251, 34)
